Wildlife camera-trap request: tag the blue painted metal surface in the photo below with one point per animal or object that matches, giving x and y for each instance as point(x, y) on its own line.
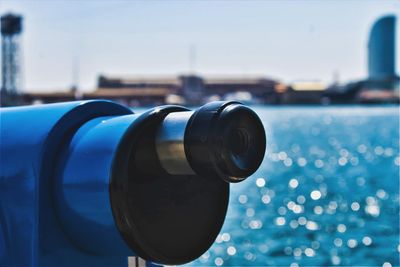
point(41, 222)
point(84, 195)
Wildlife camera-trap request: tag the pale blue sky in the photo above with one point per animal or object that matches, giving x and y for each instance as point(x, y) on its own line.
point(286, 40)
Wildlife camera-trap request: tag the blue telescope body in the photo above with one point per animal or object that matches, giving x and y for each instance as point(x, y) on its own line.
point(90, 183)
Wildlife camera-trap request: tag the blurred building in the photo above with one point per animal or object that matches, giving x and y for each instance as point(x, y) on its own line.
point(305, 92)
point(382, 84)
point(381, 49)
point(259, 89)
point(11, 29)
point(184, 89)
point(194, 89)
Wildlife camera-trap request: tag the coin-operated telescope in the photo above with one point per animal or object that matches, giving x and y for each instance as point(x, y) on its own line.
point(90, 183)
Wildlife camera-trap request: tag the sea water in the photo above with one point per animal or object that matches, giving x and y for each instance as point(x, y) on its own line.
point(327, 192)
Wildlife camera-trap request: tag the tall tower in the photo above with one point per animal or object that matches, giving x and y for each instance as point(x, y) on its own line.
point(11, 28)
point(382, 49)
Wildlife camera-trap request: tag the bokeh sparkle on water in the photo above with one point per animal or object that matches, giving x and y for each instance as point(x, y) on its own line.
point(327, 192)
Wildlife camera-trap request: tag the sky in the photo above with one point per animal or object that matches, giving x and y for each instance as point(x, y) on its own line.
point(69, 42)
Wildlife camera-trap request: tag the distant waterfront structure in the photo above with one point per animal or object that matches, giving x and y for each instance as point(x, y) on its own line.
point(194, 89)
point(383, 83)
point(304, 92)
point(181, 89)
point(11, 29)
point(381, 49)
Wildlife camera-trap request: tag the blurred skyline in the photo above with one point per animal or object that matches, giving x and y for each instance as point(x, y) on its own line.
point(65, 42)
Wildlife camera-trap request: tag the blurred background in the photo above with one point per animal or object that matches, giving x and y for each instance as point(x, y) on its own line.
point(322, 75)
point(151, 52)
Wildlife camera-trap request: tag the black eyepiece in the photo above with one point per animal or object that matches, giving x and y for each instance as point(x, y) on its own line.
point(239, 141)
point(226, 139)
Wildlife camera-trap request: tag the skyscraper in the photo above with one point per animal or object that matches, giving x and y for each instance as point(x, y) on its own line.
point(381, 49)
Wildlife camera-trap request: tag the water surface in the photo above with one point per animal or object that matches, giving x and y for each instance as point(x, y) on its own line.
point(327, 192)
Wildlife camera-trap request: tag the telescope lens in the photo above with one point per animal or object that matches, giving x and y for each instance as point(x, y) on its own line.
point(243, 142)
point(239, 141)
point(226, 139)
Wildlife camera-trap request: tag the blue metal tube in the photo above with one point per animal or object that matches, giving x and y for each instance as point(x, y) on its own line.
point(83, 196)
point(30, 142)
